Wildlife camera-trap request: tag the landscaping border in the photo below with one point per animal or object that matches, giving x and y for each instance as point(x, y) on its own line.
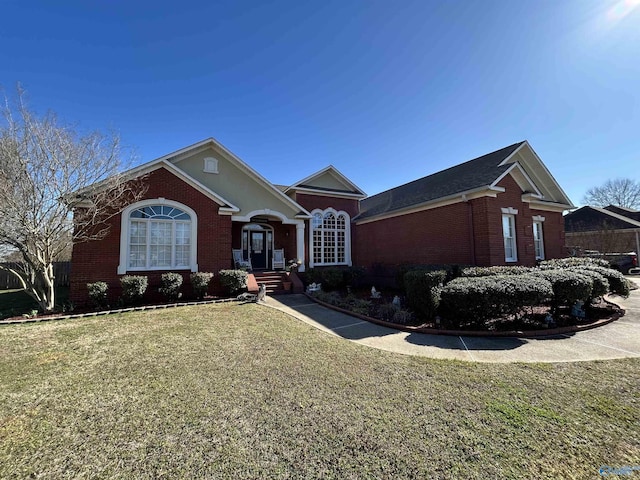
point(38, 319)
point(477, 333)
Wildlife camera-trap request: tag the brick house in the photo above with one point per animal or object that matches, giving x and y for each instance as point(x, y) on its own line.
point(203, 202)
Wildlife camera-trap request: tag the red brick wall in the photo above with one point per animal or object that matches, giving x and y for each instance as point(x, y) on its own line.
point(462, 233)
point(440, 235)
point(311, 202)
point(98, 260)
point(552, 233)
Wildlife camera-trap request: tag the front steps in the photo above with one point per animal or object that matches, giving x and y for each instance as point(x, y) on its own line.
point(273, 281)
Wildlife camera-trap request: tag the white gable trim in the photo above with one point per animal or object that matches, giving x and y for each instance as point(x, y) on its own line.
point(335, 173)
point(176, 157)
point(516, 166)
point(326, 193)
point(544, 170)
point(513, 154)
point(226, 207)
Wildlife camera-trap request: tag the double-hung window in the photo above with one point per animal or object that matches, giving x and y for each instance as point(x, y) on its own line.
point(538, 237)
point(509, 236)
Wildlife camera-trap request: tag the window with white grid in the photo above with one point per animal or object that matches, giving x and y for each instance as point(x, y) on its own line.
point(330, 237)
point(159, 238)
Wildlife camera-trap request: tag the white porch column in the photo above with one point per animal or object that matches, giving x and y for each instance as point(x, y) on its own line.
point(300, 244)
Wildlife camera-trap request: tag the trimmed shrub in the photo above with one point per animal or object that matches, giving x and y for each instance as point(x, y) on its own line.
point(568, 286)
point(200, 283)
point(618, 285)
point(332, 278)
point(170, 284)
point(600, 283)
point(98, 293)
point(352, 276)
point(556, 263)
point(312, 275)
point(234, 281)
point(474, 300)
point(133, 288)
point(452, 271)
point(423, 294)
point(497, 270)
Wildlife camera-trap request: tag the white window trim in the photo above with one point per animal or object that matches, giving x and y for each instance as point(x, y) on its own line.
point(512, 219)
point(210, 165)
point(540, 220)
point(347, 237)
point(123, 267)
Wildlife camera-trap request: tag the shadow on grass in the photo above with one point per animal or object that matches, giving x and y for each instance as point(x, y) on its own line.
point(15, 303)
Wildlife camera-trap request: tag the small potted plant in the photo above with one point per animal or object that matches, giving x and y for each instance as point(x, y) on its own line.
point(293, 265)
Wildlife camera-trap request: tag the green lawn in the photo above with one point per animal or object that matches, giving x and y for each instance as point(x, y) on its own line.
point(243, 391)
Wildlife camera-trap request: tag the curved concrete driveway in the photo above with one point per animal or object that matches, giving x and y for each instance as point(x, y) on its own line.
point(619, 339)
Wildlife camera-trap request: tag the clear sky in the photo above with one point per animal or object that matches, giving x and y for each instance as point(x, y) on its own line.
point(386, 91)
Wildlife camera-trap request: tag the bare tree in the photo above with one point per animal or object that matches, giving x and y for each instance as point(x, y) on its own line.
point(49, 172)
point(622, 192)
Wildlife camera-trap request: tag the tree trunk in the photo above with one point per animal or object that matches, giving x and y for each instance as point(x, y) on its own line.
point(39, 285)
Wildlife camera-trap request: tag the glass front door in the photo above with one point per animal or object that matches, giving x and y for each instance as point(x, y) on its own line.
point(258, 241)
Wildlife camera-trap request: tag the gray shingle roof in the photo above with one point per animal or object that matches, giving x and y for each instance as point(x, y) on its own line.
point(589, 218)
point(479, 172)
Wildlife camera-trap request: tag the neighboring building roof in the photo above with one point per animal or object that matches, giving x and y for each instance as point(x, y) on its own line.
point(476, 173)
point(586, 219)
point(624, 211)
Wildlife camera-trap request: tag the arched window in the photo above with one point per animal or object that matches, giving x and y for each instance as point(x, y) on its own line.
point(157, 236)
point(330, 232)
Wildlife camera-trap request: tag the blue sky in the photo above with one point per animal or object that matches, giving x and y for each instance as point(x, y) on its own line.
point(385, 91)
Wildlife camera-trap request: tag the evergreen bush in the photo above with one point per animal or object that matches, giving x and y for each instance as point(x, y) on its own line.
point(200, 283)
point(170, 284)
point(423, 293)
point(98, 293)
point(133, 288)
point(234, 281)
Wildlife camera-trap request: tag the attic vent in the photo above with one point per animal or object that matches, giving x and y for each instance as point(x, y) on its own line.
point(210, 165)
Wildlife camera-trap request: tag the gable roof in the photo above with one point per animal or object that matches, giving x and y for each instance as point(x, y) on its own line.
point(480, 174)
point(477, 173)
point(589, 218)
point(329, 180)
point(173, 159)
point(624, 211)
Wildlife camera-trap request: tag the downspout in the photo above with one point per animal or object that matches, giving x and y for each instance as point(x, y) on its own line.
point(637, 245)
point(472, 240)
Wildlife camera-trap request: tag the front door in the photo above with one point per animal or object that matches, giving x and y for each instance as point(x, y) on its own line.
point(258, 242)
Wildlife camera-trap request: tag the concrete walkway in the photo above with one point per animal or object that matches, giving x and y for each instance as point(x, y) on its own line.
point(619, 339)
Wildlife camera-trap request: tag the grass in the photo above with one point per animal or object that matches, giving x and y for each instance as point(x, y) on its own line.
point(15, 303)
point(242, 391)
